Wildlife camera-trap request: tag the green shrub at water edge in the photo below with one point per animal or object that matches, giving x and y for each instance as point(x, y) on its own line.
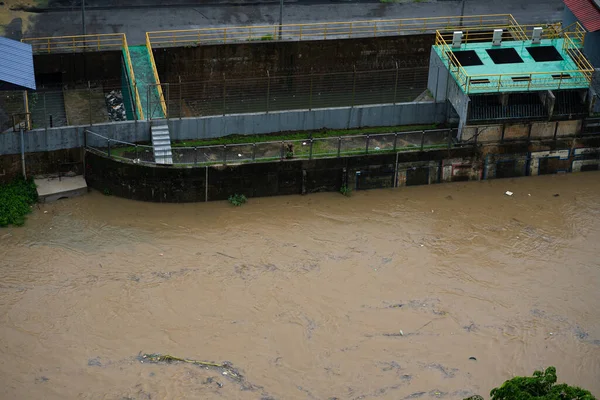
point(237, 199)
point(346, 191)
point(542, 386)
point(16, 199)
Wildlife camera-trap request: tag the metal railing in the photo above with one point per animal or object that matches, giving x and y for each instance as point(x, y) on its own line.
point(156, 80)
point(270, 93)
point(486, 83)
point(326, 30)
point(449, 57)
point(85, 104)
point(309, 148)
point(511, 33)
point(76, 44)
point(129, 66)
point(89, 43)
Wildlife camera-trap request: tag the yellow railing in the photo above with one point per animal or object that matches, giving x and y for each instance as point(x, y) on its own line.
point(523, 33)
point(76, 44)
point(161, 96)
point(138, 103)
point(453, 64)
point(520, 80)
point(328, 30)
point(574, 50)
point(526, 81)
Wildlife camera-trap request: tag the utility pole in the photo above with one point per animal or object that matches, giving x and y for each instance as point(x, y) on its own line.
point(83, 16)
point(280, 17)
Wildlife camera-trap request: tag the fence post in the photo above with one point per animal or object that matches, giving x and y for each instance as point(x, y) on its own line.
point(339, 146)
point(353, 85)
point(310, 150)
point(134, 101)
point(45, 115)
point(253, 152)
point(180, 99)
point(168, 98)
point(108, 146)
point(136, 152)
point(311, 91)
point(268, 89)
point(90, 101)
point(282, 150)
point(395, 140)
point(396, 84)
point(422, 139)
point(367, 145)
point(224, 94)
point(148, 110)
point(195, 155)
point(224, 154)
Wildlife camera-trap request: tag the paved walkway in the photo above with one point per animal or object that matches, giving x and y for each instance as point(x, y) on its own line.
point(139, 19)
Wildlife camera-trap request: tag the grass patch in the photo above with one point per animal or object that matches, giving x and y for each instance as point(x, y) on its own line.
point(16, 199)
point(300, 135)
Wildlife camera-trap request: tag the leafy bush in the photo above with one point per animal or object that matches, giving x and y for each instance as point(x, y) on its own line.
point(542, 386)
point(346, 191)
point(237, 199)
point(16, 199)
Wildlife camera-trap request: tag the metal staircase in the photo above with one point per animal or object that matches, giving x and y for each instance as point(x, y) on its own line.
point(161, 142)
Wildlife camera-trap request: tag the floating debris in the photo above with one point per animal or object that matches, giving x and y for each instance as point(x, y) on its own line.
point(225, 368)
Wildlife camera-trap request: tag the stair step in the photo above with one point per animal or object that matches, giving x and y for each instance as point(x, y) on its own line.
point(161, 142)
point(162, 136)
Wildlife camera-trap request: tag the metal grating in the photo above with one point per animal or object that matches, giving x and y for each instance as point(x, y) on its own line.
point(520, 106)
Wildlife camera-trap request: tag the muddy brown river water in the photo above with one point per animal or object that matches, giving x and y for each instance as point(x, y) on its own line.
point(384, 295)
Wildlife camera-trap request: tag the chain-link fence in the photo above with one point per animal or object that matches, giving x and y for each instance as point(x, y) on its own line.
point(221, 96)
point(309, 148)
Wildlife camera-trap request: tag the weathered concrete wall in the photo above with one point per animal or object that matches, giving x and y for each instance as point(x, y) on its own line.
point(71, 68)
point(437, 81)
point(252, 60)
point(70, 137)
point(241, 124)
point(47, 162)
point(332, 118)
point(167, 184)
point(521, 131)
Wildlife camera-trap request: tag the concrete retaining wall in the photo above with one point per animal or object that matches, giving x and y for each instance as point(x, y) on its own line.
point(39, 140)
point(299, 120)
point(70, 137)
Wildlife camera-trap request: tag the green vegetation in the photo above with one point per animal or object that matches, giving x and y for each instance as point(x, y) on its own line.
point(266, 37)
point(16, 199)
point(346, 191)
point(300, 135)
point(237, 199)
point(542, 386)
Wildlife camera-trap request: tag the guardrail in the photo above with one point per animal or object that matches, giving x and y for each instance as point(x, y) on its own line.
point(282, 150)
point(326, 30)
point(156, 79)
point(485, 83)
point(76, 44)
point(454, 65)
point(129, 65)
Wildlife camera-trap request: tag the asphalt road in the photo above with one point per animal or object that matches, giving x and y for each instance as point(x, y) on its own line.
point(64, 16)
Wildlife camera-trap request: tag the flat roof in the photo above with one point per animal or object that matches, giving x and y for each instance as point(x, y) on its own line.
point(525, 75)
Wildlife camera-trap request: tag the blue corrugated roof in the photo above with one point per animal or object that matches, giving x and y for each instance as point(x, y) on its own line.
point(16, 65)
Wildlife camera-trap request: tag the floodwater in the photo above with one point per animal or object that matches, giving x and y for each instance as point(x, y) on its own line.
point(383, 295)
